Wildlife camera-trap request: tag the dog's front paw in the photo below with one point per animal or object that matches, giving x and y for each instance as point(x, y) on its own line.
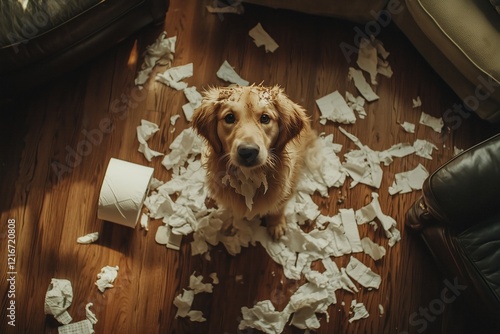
point(276, 225)
point(276, 231)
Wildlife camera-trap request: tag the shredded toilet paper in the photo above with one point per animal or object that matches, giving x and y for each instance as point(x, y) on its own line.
point(80, 327)
point(145, 131)
point(261, 37)
point(333, 107)
point(106, 277)
point(162, 49)
point(58, 299)
point(180, 202)
point(89, 238)
point(227, 73)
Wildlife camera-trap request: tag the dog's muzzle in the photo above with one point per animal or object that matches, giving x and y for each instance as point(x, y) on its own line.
point(247, 154)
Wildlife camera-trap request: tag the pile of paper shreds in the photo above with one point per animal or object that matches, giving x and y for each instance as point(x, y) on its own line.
point(333, 236)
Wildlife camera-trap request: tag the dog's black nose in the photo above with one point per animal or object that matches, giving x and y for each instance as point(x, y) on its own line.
point(248, 153)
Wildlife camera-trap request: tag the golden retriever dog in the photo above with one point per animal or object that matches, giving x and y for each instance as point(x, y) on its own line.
point(256, 141)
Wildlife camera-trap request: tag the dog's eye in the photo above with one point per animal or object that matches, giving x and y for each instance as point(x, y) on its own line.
point(230, 119)
point(265, 119)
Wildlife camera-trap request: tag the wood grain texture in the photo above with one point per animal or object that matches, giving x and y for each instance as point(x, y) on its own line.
point(53, 207)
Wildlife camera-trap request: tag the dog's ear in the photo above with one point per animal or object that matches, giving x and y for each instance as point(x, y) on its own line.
point(205, 118)
point(291, 118)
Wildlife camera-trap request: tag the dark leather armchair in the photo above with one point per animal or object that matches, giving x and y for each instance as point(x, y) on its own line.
point(50, 37)
point(458, 217)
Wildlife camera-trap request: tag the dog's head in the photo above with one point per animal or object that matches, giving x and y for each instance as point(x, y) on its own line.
point(248, 124)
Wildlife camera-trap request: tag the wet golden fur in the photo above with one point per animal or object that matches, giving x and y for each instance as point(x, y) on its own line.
point(257, 117)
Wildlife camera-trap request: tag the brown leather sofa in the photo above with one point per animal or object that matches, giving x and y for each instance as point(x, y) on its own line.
point(50, 37)
point(458, 218)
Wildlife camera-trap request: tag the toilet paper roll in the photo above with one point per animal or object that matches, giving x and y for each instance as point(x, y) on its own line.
point(123, 192)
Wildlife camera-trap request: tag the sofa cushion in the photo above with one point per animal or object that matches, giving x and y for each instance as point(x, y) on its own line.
point(481, 245)
point(19, 24)
point(76, 33)
point(460, 40)
point(468, 32)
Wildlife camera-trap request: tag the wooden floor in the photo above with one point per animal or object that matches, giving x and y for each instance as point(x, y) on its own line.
point(52, 209)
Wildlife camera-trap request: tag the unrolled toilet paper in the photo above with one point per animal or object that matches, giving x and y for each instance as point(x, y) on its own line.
point(123, 192)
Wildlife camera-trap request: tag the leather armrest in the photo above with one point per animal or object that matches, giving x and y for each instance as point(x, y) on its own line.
point(467, 188)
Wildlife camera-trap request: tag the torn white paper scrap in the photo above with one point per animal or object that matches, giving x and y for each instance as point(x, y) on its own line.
point(367, 59)
point(408, 181)
point(306, 302)
point(359, 311)
point(351, 229)
point(90, 315)
point(80, 327)
point(356, 104)
point(398, 150)
point(88, 239)
point(162, 48)
point(227, 73)
point(369, 212)
point(165, 236)
point(194, 98)
point(106, 277)
point(195, 284)
point(58, 299)
point(346, 283)
point(382, 52)
point(361, 84)
point(215, 279)
point(161, 236)
point(334, 108)
point(173, 119)
point(186, 146)
point(263, 317)
point(384, 68)
point(362, 165)
point(433, 122)
point(144, 222)
point(374, 250)
point(408, 127)
point(362, 274)
point(144, 132)
point(183, 303)
point(155, 183)
point(172, 77)
point(261, 37)
point(386, 221)
point(423, 148)
point(416, 102)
